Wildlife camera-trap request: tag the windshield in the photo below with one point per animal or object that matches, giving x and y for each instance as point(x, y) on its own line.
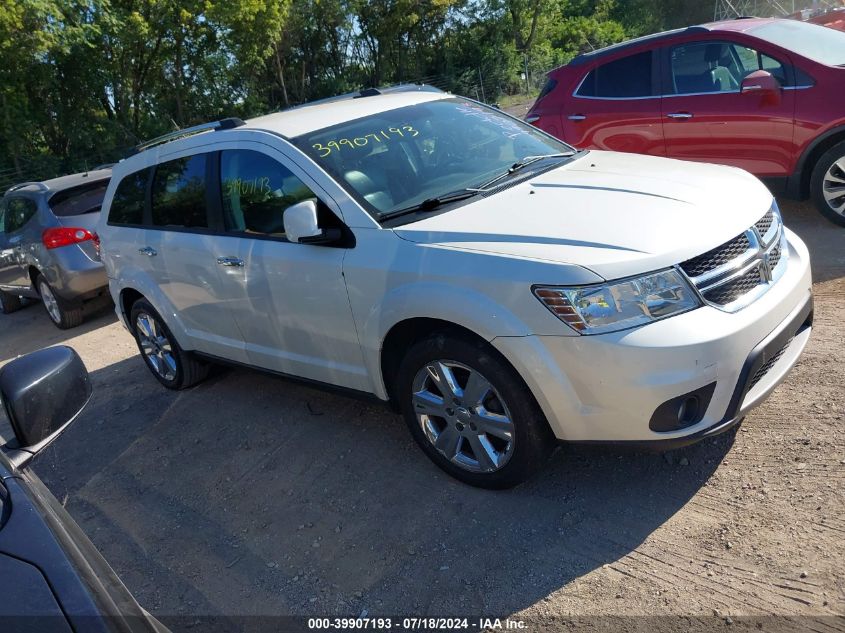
point(819, 43)
point(397, 159)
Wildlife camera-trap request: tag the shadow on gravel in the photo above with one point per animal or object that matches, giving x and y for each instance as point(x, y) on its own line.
point(824, 239)
point(30, 329)
point(252, 495)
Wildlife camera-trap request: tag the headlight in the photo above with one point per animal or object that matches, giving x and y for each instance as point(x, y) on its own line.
point(619, 305)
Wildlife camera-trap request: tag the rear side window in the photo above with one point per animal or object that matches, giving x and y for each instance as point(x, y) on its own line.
point(550, 85)
point(256, 192)
point(18, 213)
point(127, 206)
point(87, 198)
point(628, 77)
point(179, 193)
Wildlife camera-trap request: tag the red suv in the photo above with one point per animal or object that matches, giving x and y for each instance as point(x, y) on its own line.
point(765, 95)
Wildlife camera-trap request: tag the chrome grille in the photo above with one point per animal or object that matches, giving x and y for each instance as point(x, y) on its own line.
point(730, 291)
point(765, 223)
point(719, 256)
point(735, 274)
point(774, 256)
point(765, 367)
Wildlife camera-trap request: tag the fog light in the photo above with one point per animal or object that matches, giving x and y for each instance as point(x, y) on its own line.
point(682, 411)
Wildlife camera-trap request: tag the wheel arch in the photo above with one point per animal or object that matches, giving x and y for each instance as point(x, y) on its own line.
point(33, 274)
point(408, 332)
point(128, 297)
point(799, 186)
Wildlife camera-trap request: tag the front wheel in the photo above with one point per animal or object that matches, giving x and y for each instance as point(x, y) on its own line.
point(172, 366)
point(471, 413)
point(827, 184)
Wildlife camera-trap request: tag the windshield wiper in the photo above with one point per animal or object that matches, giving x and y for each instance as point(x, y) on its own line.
point(521, 163)
point(429, 204)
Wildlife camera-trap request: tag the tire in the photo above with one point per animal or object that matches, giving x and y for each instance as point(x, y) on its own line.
point(506, 398)
point(63, 315)
point(158, 347)
point(9, 303)
point(827, 184)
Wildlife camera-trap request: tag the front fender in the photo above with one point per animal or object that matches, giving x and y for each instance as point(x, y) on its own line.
point(464, 307)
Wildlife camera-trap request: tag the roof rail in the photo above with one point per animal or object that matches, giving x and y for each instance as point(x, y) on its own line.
point(370, 92)
point(222, 124)
point(41, 186)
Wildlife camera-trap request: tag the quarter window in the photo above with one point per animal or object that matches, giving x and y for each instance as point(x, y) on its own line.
point(179, 193)
point(127, 206)
point(256, 192)
point(705, 67)
point(18, 213)
point(628, 77)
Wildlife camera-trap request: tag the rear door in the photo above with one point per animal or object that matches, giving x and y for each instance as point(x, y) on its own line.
point(616, 106)
point(180, 245)
point(17, 213)
point(706, 118)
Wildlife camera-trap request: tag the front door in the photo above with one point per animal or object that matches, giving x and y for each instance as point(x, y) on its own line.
point(706, 118)
point(290, 299)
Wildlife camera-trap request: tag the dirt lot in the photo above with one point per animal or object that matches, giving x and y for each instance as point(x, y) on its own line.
point(251, 495)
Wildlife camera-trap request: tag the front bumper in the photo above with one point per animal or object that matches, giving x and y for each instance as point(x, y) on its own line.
point(607, 388)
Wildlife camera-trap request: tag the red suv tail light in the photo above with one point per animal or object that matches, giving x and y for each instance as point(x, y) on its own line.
point(65, 236)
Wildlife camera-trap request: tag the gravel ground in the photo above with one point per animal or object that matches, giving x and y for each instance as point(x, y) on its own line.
point(251, 495)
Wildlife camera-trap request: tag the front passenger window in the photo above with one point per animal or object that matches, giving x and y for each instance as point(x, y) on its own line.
point(256, 192)
point(705, 67)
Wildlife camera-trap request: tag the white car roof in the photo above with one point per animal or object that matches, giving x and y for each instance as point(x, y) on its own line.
point(308, 118)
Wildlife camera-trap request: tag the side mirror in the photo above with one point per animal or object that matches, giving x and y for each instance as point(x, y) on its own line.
point(301, 225)
point(763, 83)
point(42, 394)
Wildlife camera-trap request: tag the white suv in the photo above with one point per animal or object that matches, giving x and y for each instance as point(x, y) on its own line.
point(500, 288)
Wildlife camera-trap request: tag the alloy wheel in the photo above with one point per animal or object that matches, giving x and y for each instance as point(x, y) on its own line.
point(50, 302)
point(833, 188)
point(463, 416)
point(155, 346)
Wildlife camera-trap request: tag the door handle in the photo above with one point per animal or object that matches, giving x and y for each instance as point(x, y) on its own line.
point(149, 252)
point(576, 117)
point(680, 115)
point(230, 261)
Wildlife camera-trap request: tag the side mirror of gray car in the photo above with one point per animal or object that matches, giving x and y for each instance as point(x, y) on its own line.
point(301, 225)
point(42, 394)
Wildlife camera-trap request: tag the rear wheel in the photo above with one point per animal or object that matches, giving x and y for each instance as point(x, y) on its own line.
point(827, 184)
point(9, 302)
point(62, 315)
point(172, 366)
point(471, 413)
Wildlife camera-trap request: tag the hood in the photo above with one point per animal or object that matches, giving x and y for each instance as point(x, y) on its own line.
point(615, 214)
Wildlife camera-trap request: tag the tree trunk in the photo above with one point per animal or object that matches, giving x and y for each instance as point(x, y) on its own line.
point(280, 73)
